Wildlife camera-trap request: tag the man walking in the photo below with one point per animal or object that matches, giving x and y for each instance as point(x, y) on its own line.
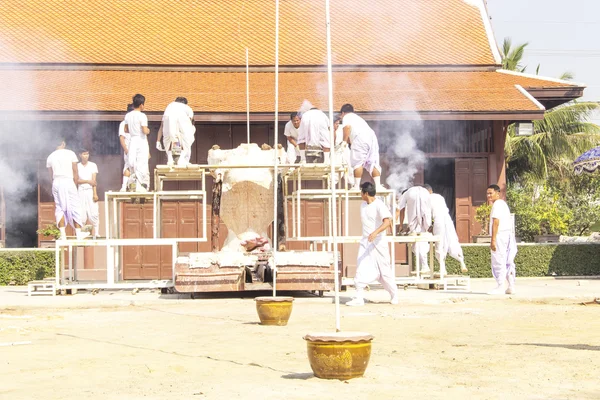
point(373, 262)
point(62, 165)
point(503, 245)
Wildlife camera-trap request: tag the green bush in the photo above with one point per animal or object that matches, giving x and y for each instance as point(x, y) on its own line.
point(535, 260)
point(20, 267)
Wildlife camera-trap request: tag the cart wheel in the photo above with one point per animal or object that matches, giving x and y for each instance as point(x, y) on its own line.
point(171, 290)
point(321, 293)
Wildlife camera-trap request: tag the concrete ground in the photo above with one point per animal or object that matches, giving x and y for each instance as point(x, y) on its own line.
point(541, 343)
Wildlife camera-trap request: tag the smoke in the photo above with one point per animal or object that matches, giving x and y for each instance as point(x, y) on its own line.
point(404, 157)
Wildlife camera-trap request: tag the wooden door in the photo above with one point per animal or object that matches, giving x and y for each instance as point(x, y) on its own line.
point(471, 181)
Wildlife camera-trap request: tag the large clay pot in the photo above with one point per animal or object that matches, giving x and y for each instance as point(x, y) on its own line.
point(339, 355)
point(274, 310)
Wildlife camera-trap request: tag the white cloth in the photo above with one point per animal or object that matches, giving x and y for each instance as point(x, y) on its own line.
point(89, 207)
point(373, 263)
point(177, 126)
point(503, 259)
point(444, 228)
point(86, 173)
point(292, 153)
point(127, 137)
point(417, 202)
point(314, 129)
point(138, 159)
point(135, 120)
point(364, 151)
point(358, 126)
point(61, 161)
point(66, 201)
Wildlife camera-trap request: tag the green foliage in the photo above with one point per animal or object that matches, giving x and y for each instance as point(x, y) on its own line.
point(482, 215)
point(511, 57)
point(20, 267)
point(535, 260)
point(51, 230)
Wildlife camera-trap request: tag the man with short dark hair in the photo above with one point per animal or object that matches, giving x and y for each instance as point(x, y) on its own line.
point(373, 262)
point(364, 147)
point(503, 245)
point(291, 133)
point(313, 133)
point(87, 172)
point(62, 165)
point(136, 124)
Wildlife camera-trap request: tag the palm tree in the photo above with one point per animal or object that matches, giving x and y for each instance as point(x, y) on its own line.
point(563, 134)
point(511, 58)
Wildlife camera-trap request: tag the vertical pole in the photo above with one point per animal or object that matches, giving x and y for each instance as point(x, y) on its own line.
point(275, 149)
point(247, 99)
point(332, 160)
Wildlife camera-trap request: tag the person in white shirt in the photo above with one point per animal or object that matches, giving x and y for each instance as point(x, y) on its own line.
point(373, 263)
point(87, 172)
point(416, 205)
point(313, 133)
point(62, 165)
point(291, 133)
point(136, 124)
point(364, 147)
point(342, 151)
point(177, 127)
point(125, 139)
point(503, 245)
point(443, 226)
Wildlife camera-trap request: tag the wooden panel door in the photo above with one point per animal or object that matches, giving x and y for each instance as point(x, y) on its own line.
point(470, 186)
point(132, 228)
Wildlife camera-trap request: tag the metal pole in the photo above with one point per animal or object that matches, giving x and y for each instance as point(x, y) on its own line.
point(247, 98)
point(276, 132)
point(332, 160)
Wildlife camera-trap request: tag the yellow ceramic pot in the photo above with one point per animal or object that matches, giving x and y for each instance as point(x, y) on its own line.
point(339, 355)
point(274, 310)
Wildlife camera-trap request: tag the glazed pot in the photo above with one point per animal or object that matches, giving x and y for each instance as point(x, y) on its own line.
point(274, 310)
point(339, 355)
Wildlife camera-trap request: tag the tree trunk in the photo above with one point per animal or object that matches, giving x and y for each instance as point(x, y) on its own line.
point(216, 215)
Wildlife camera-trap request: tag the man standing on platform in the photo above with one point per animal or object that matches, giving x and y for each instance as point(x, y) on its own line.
point(62, 165)
point(136, 124)
point(443, 226)
point(177, 127)
point(364, 147)
point(373, 262)
point(503, 245)
point(125, 139)
point(415, 204)
point(87, 172)
point(291, 133)
point(313, 132)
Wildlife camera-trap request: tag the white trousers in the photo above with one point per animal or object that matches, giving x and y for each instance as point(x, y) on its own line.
point(89, 207)
point(66, 201)
point(449, 244)
point(138, 159)
point(364, 152)
point(373, 264)
point(503, 259)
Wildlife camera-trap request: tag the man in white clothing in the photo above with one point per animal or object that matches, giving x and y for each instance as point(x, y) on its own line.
point(364, 147)
point(503, 245)
point(313, 133)
point(177, 129)
point(291, 133)
point(125, 139)
point(373, 262)
point(87, 172)
point(62, 165)
point(415, 204)
point(342, 151)
point(136, 124)
point(443, 226)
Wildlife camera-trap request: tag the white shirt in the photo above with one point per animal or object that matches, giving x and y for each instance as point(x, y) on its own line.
point(359, 126)
point(86, 173)
point(314, 128)
point(501, 212)
point(122, 132)
point(61, 161)
point(290, 130)
point(438, 206)
point(372, 216)
point(417, 202)
point(177, 119)
point(135, 120)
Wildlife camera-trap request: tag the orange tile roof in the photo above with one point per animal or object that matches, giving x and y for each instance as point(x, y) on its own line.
point(49, 90)
point(204, 32)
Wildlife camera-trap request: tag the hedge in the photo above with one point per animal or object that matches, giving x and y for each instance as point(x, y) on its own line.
point(535, 260)
point(20, 267)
